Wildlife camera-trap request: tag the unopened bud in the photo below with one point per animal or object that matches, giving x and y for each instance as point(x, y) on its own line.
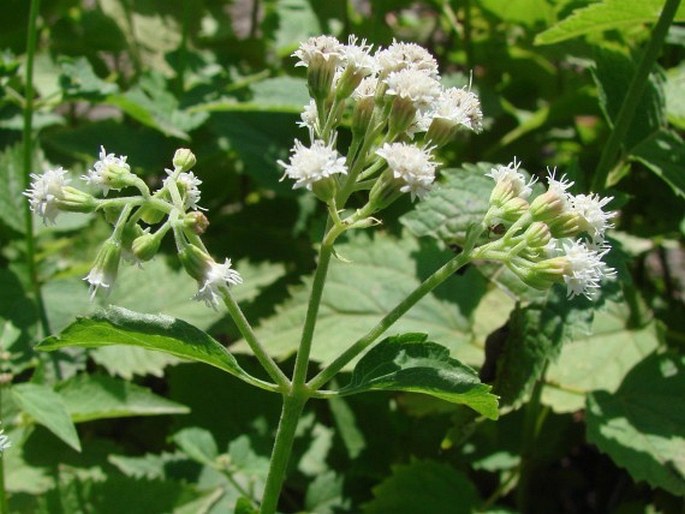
point(547, 206)
point(196, 222)
point(544, 274)
point(184, 159)
point(145, 247)
point(513, 209)
point(325, 189)
point(75, 200)
point(385, 191)
point(537, 234)
point(567, 224)
point(195, 261)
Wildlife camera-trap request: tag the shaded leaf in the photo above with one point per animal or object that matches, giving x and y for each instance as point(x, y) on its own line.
point(642, 425)
point(410, 363)
point(325, 494)
point(160, 333)
point(198, 444)
point(89, 397)
point(605, 15)
point(80, 81)
point(675, 100)
point(664, 154)
point(47, 408)
point(12, 179)
point(423, 486)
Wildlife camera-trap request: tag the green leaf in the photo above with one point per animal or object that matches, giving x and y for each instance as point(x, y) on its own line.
point(89, 397)
point(641, 425)
point(598, 360)
point(325, 494)
point(46, 407)
point(535, 336)
point(12, 180)
point(80, 81)
point(605, 15)
point(198, 444)
point(423, 486)
point(664, 154)
point(526, 12)
point(380, 273)
point(160, 333)
point(460, 200)
point(245, 506)
point(410, 363)
point(675, 100)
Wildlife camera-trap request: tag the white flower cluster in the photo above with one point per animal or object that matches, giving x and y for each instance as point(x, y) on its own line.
point(176, 201)
point(399, 114)
point(557, 236)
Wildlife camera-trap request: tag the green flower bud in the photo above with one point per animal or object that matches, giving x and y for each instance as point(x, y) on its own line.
point(195, 261)
point(537, 234)
point(513, 209)
point(547, 206)
point(75, 200)
point(146, 246)
point(544, 274)
point(184, 159)
point(567, 224)
point(104, 271)
point(196, 222)
point(385, 191)
point(325, 189)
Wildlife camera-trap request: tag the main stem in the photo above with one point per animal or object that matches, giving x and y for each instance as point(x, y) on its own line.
point(632, 99)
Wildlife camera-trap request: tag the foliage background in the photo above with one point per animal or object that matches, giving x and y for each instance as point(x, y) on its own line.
point(602, 432)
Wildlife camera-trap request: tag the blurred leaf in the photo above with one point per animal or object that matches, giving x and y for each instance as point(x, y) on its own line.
point(296, 22)
point(599, 360)
point(89, 397)
point(245, 506)
point(381, 272)
point(47, 407)
point(664, 154)
point(605, 15)
point(423, 486)
point(198, 444)
point(535, 337)
point(525, 12)
point(641, 426)
point(410, 363)
point(675, 100)
point(149, 466)
point(160, 333)
point(325, 494)
point(80, 81)
point(12, 179)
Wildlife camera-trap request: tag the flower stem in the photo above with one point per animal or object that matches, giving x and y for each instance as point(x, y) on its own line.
point(422, 290)
point(632, 99)
point(4, 509)
point(292, 409)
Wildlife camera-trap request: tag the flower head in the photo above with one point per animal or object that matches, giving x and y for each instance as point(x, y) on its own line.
point(188, 184)
point(510, 176)
point(46, 191)
point(400, 56)
point(415, 85)
point(358, 56)
point(319, 48)
point(585, 269)
point(459, 106)
point(103, 274)
point(310, 164)
point(109, 172)
point(309, 118)
point(593, 219)
point(216, 276)
point(410, 164)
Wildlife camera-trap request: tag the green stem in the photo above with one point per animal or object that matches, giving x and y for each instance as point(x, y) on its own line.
point(4, 509)
point(259, 351)
point(292, 409)
point(28, 151)
point(422, 290)
point(635, 91)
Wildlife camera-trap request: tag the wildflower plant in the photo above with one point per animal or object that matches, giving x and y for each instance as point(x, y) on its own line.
point(400, 116)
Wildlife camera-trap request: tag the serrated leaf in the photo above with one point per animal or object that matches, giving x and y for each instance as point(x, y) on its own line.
point(89, 397)
point(664, 154)
point(641, 425)
point(410, 363)
point(599, 360)
point(160, 333)
point(605, 15)
point(460, 200)
point(536, 334)
point(381, 273)
point(47, 408)
point(198, 444)
point(423, 486)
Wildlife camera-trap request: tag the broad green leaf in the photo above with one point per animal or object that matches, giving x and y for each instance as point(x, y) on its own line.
point(149, 466)
point(297, 22)
point(325, 494)
point(423, 486)
point(380, 273)
point(460, 200)
point(641, 426)
point(48, 408)
point(664, 154)
point(535, 336)
point(11, 198)
point(526, 12)
point(89, 397)
point(80, 81)
point(599, 360)
point(160, 333)
point(605, 15)
point(410, 363)
point(277, 94)
point(198, 444)
point(675, 100)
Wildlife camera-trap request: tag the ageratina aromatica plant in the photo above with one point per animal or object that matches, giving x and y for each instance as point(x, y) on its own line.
point(399, 115)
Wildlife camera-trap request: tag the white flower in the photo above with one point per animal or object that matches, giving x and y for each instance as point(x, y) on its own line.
point(4, 441)
point(216, 277)
point(358, 56)
point(46, 191)
point(401, 56)
point(309, 165)
point(107, 172)
point(594, 219)
point(559, 187)
point(459, 106)
point(327, 48)
point(189, 185)
point(510, 173)
point(366, 89)
point(414, 85)
point(585, 269)
point(310, 118)
point(104, 271)
point(412, 165)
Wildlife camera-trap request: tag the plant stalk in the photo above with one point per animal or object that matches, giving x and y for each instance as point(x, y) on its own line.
point(635, 91)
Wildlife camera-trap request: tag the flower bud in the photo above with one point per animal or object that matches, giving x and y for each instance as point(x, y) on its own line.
point(184, 159)
point(537, 234)
point(440, 132)
point(385, 191)
point(106, 266)
point(513, 209)
point(402, 115)
point(547, 206)
point(75, 200)
point(325, 189)
point(195, 261)
point(503, 191)
point(196, 222)
point(146, 246)
point(361, 115)
point(544, 274)
point(567, 224)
